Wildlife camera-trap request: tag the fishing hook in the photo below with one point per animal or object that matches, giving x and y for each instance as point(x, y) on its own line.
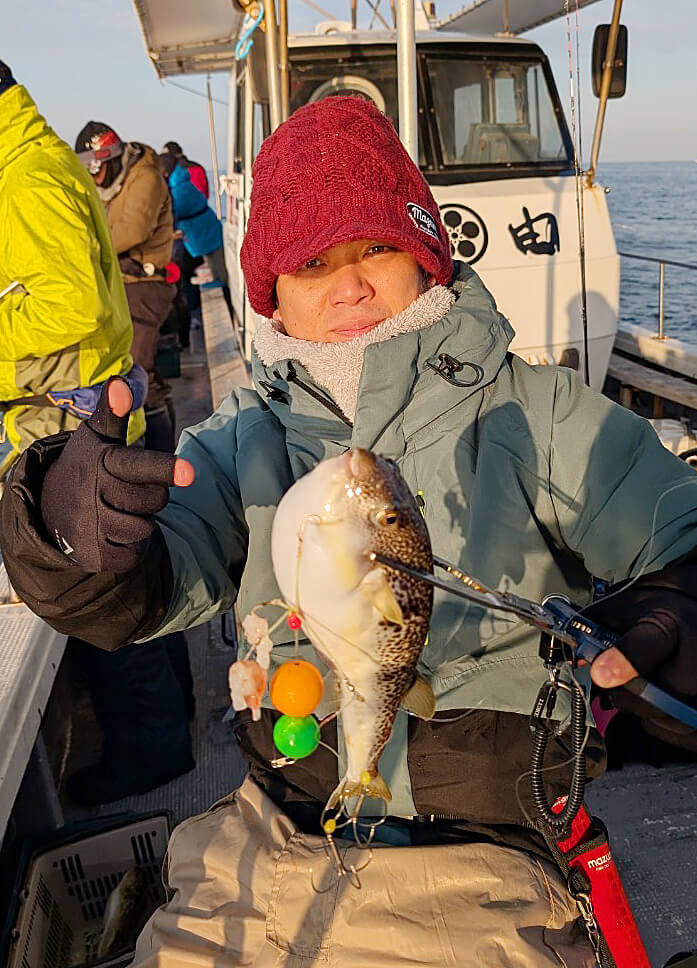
point(341, 868)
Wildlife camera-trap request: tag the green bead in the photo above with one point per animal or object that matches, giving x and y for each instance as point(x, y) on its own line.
point(296, 737)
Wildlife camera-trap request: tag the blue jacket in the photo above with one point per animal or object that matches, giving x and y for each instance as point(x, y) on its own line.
point(203, 232)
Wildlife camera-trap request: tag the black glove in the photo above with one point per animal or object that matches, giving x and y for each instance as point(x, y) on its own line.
point(657, 619)
point(99, 497)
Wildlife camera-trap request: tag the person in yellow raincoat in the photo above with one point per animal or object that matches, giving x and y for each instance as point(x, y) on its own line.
point(64, 320)
point(65, 328)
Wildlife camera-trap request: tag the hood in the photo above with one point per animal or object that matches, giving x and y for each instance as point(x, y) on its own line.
point(21, 125)
point(133, 153)
point(187, 199)
point(179, 175)
point(405, 380)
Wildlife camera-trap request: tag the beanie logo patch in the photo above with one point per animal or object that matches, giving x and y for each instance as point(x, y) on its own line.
point(422, 219)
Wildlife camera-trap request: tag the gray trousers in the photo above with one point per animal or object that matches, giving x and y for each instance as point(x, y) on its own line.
point(250, 889)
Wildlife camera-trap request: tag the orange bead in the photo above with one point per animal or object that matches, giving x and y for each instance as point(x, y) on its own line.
point(296, 688)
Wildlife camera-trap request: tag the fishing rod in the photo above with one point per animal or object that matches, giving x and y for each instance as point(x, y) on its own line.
point(557, 617)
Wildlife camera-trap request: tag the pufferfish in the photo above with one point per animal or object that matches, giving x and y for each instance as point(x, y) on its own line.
point(369, 622)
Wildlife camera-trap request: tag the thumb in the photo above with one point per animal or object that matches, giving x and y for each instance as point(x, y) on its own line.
point(110, 418)
point(612, 669)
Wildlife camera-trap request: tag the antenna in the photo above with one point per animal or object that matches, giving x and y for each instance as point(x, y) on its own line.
point(506, 14)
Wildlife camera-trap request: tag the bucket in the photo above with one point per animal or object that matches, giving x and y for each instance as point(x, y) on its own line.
point(60, 921)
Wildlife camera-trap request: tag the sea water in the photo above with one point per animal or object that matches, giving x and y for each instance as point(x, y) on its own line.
point(653, 206)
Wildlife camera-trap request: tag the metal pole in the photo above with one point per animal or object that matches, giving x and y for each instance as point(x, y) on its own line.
point(283, 66)
point(406, 74)
point(605, 87)
point(506, 18)
point(354, 14)
point(248, 108)
point(233, 108)
point(272, 67)
point(661, 290)
point(214, 150)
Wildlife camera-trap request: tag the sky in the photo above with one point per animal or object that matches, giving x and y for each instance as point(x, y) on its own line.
point(84, 60)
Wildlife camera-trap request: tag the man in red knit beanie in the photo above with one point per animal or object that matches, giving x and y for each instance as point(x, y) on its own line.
point(369, 336)
point(336, 172)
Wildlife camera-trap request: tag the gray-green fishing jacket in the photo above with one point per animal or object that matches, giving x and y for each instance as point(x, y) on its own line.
point(531, 482)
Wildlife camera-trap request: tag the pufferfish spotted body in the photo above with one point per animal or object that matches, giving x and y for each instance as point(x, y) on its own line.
point(368, 622)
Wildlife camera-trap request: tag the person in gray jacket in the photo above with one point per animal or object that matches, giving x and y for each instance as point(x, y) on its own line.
point(530, 480)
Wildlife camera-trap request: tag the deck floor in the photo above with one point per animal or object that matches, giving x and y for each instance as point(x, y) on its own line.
point(651, 813)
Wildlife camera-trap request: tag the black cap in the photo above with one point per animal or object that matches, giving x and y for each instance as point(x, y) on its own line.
point(173, 148)
point(6, 79)
point(84, 142)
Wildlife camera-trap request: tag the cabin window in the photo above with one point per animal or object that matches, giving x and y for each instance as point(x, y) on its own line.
point(372, 76)
point(489, 112)
point(505, 95)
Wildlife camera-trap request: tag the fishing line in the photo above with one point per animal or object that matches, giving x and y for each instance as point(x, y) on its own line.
point(190, 90)
point(578, 163)
point(327, 746)
point(645, 566)
point(569, 667)
point(354, 645)
point(319, 521)
point(456, 719)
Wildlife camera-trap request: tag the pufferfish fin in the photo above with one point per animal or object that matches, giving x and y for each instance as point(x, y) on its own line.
point(376, 588)
point(419, 699)
point(376, 789)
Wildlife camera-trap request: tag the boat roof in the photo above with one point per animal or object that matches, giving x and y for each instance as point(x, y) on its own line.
point(490, 16)
point(182, 37)
point(368, 37)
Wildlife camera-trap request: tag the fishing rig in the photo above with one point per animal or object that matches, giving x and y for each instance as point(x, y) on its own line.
point(577, 842)
point(567, 637)
point(296, 690)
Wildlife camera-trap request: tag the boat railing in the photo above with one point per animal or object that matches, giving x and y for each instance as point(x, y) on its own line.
point(662, 263)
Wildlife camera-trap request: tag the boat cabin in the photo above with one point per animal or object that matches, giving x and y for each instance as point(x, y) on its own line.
point(494, 145)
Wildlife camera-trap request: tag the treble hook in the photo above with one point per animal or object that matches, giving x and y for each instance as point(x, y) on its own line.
point(351, 872)
point(245, 41)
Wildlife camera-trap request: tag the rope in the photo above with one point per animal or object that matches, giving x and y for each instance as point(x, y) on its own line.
point(190, 90)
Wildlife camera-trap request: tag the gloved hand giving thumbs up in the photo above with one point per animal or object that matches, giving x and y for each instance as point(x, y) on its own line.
point(99, 497)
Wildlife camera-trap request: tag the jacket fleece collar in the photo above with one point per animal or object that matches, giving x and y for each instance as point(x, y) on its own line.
point(399, 392)
point(337, 367)
point(20, 124)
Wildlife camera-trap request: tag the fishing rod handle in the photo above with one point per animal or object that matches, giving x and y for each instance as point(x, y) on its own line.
point(588, 638)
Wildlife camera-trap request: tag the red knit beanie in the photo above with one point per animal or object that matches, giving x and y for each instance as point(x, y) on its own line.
point(336, 172)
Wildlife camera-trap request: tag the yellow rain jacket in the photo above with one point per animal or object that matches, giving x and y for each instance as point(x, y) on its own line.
point(64, 320)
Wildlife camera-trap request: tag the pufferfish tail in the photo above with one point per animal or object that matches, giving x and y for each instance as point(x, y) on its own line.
point(375, 789)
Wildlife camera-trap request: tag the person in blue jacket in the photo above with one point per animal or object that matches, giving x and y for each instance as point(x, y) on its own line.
point(203, 233)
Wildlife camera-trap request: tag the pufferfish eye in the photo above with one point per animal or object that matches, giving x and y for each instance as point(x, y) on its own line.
point(387, 516)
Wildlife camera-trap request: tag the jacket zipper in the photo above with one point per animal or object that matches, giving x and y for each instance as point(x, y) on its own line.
point(320, 398)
